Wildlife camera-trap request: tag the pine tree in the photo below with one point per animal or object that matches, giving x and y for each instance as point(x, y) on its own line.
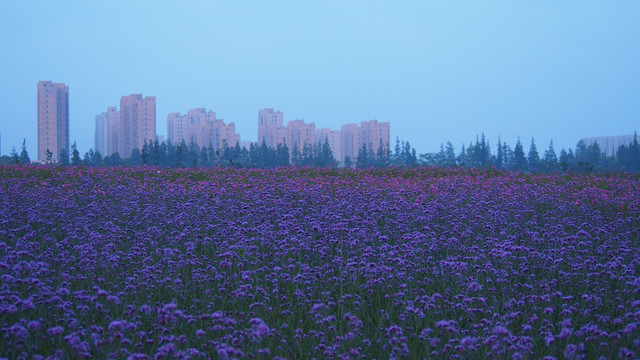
point(581, 153)
point(135, 159)
point(75, 155)
point(550, 159)
point(518, 157)
point(363, 159)
point(634, 154)
point(347, 162)
point(594, 156)
point(15, 158)
point(63, 157)
point(295, 155)
point(500, 156)
point(24, 155)
point(533, 158)
point(462, 158)
point(449, 155)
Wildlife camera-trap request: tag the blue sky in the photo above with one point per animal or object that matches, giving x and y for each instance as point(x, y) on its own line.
point(437, 71)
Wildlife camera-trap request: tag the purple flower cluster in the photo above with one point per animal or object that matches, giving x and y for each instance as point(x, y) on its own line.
point(153, 263)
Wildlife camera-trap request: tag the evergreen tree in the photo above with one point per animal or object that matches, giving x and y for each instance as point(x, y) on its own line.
point(594, 156)
point(623, 156)
point(135, 159)
point(363, 159)
point(307, 154)
point(24, 155)
point(550, 160)
point(15, 158)
point(396, 154)
point(172, 158)
point(144, 153)
point(581, 153)
point(226, 153)
point(237, 153)
point(155, 152)
point(114, 159)
point(263, 155)
point(566, 160)
point(75, 155)
point(89, 158)
point(449, 155)
point(462, 158)
point(282, 154)
point(507, 154)
point(634, 154)
point(520, 161)
point(181, 153)
point(437, 159)
point(533, 158)
point(500, 156)
point(212, 156)
point(410, 159)
point(483, 152)
point(295, 155)
point(347, 162)
point(326, 157)
point(382, 155)
point(193, 154)
point(204, 157)
point(97, 159)
point(63, 157)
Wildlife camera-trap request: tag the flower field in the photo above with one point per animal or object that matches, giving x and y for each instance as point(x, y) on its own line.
point(152, 263)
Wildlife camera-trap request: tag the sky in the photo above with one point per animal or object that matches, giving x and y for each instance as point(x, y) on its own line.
point(437, 71)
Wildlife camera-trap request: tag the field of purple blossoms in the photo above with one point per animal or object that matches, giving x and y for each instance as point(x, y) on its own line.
point(153, 263)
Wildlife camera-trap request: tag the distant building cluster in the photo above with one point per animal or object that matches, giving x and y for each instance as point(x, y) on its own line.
point(609, 144)
point(202, 128)
point(121, 131)
point(345, 143)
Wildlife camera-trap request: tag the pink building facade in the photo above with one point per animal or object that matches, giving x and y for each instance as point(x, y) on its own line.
point(137, 122)
point(53, 120)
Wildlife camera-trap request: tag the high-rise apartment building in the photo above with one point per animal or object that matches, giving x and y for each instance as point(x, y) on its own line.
point(299, 133)
point(101, 134)
point(107, 131)
point(271, 130)
point(373, 134)
point(350, 142)
point(137, 122)
point(53, 120)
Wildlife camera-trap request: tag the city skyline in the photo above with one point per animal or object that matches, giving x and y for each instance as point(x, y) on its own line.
point(202, 128)
point(437, 71)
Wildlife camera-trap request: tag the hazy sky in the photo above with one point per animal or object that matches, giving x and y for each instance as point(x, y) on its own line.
point(437, 71)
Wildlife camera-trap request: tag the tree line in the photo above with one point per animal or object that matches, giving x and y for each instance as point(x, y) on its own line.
point(585, 158)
